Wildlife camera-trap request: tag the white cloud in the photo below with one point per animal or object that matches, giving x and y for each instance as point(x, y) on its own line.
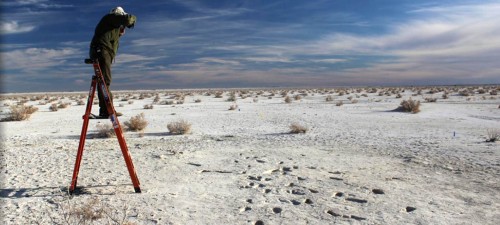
point(12, 27)
point(34, 59)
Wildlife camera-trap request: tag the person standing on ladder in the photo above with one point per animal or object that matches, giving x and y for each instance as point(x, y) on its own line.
point(104, 46)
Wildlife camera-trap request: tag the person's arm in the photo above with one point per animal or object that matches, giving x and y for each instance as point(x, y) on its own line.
point(123, 20)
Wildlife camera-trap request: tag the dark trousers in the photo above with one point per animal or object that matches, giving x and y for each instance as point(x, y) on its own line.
point(104, 57)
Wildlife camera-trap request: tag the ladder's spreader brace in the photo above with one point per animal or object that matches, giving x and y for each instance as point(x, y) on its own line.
point(98, 81)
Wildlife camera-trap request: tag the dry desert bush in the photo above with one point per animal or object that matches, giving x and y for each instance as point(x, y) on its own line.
point(233, 107)
point(430, 99)
point(53, 107)
point(91, 211)
point(148, 106)
point(288, 99)
point(339, 103)
point(329, 98)
point(20, 113)
point(63, 105)
point(179, 127)
point(492, 135)
point(409, 105)
point(105, 131)
point(137, 123)
point(296, 128)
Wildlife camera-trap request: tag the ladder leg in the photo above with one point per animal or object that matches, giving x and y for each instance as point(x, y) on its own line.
point(119, 134)
point(83, 135)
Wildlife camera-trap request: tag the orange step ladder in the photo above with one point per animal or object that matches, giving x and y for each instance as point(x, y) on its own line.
point(98, 82)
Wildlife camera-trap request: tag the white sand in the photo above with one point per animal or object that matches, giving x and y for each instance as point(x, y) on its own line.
point(243, 166)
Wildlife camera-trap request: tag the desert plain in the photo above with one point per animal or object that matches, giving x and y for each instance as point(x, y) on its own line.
point(356, 158)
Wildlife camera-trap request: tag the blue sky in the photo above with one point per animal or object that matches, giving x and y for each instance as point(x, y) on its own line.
point(238, 43)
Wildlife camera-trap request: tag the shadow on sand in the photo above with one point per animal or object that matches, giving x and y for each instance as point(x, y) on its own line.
point(40, 192)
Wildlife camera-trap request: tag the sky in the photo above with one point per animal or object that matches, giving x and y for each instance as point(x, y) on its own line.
point(254, 43)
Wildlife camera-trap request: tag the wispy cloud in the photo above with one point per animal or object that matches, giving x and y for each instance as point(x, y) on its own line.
point(38, 59)
point(13, 27)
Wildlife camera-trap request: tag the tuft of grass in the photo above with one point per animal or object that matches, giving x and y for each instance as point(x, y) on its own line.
point(91, 211)
point(136, 123)
point(63, 105)
point(148, 106)
point(492, 135)
point(296, 128)
point(329, 98)
point(339, 103)
point(409, 105)
point(233, 107)
point(430, 99)
point(288, 99)
point(179, 127)
point(20, 113)
point(105, 131)
point(53, 107)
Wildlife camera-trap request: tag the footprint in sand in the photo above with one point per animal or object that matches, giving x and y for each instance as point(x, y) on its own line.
point(410, 209)
point(258, 222)
point(338, 194)
point(313, 191)
point(335, 213)
point(246, 208)
point(357, 200)
point(277, 210)
point(301, 178)
point(295, 202)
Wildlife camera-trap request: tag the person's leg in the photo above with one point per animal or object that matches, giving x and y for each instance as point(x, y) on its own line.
point(105, 64)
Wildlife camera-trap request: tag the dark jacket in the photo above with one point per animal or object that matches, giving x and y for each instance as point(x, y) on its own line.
point(107, 32)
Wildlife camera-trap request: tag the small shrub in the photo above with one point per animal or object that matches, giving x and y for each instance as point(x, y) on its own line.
point(136, 123)
point(148, 106)
point(492, 135)
point(233, 107)
point(409, 105)
point(218, 94)
point(296, 128)
point(197, 100)
point(63, 105)
point(399, 95)
point(297, 97)
point(340, 103)
point(329, 98)
point(430, 99)
point(232, 97)
point(20, 113)
point(105, 131)
point(445, 96)
point(53, 107)
point(179, 127)
point(80, 102)
point(130, 102)
point(255, 100)
point(464, 93)
point(288, 99)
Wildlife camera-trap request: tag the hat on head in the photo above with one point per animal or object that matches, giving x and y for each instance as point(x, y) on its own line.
point(118, 11)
